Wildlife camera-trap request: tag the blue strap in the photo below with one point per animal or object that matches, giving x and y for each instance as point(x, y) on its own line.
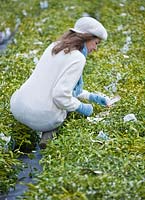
point(79, 86)
point(84, 50)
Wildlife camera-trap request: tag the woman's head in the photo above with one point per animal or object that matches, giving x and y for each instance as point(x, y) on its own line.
point(86, 30)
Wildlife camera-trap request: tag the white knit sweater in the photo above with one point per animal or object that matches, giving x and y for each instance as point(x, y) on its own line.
point(43, 101)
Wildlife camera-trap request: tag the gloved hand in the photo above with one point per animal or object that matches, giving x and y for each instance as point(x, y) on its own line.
point(100, 99)
point(85, 109)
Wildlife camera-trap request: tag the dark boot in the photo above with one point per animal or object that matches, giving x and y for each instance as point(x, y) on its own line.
point(44, 139)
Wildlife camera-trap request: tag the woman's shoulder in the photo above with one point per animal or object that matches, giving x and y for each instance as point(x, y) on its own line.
point(74, 54)
point(78, 54)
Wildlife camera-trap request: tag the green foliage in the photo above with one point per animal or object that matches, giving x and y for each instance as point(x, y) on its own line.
point(75, 165)
point(9, 168)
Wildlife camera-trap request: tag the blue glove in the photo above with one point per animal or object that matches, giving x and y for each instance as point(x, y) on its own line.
point(85, 109)
point(100, 99)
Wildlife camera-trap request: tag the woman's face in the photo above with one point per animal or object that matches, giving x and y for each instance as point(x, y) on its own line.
point(92, 44)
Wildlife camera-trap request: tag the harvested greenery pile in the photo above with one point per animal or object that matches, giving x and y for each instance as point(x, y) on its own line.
point(78, 165)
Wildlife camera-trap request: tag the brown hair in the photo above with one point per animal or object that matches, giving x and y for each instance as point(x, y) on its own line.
point(71, 41)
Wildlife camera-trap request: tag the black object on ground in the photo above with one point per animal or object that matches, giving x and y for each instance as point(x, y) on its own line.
point(26, 176)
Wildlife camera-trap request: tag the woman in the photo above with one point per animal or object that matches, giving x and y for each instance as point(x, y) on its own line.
point(55, 86)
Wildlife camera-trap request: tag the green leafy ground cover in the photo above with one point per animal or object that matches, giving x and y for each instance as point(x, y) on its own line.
point(75, 164)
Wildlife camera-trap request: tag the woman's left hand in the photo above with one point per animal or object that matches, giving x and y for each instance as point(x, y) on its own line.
point(99, 99)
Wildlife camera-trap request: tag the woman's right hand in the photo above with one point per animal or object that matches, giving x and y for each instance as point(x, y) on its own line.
point(85, 109)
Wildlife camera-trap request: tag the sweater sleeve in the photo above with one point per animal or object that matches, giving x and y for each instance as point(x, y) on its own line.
point(84, 95)
point(62, 92)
